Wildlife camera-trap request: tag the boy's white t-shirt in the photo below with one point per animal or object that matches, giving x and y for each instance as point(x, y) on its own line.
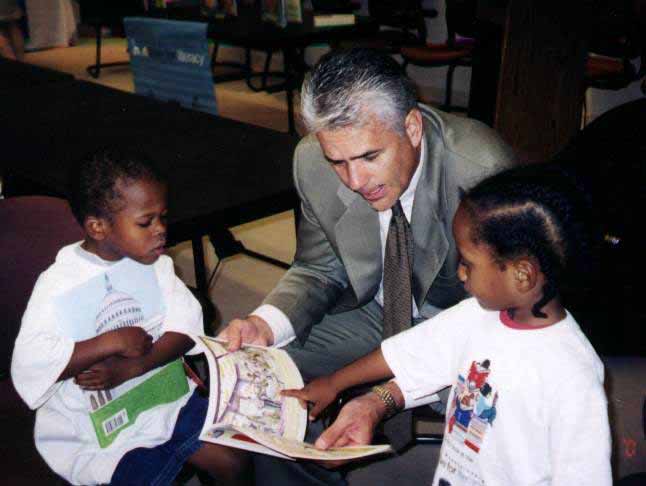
point(527, 405)
point(63, 433)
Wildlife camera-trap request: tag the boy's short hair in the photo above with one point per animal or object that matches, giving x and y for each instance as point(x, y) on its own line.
point(94, 191)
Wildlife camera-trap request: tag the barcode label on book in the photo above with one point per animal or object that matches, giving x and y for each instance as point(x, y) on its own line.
point(114, 423)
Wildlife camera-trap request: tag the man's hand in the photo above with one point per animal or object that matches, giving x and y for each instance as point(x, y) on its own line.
point(355, 424)
point(132, 341)
point(319, 392)
point(108, 373)
point(252, 330)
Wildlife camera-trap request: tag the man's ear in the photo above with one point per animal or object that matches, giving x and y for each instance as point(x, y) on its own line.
point(96, 227)
point(414, 127)
point(526, 274)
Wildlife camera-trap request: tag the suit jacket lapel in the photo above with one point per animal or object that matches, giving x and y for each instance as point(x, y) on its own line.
point(430, 241)
point(359, 244)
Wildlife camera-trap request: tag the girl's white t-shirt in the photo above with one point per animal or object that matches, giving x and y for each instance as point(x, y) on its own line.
point(527, 405)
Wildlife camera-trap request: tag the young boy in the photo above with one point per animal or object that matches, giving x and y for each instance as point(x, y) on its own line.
point(113, 402)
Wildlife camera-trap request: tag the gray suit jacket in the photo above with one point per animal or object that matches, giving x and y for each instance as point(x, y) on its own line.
point(338, 262)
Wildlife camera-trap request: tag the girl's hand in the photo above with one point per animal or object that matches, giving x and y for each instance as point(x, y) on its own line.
point(133, 341)
point(319, 392)
point(108, 373)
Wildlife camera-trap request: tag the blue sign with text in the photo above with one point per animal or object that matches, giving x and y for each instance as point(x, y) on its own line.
point(170, 61)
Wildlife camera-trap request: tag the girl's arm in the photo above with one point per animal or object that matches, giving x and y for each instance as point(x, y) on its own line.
point(322, 391)
point(130, 342)
point(114, 371)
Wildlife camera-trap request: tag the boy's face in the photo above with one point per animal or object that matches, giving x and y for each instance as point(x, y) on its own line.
point(482, 276)
point(137, 228)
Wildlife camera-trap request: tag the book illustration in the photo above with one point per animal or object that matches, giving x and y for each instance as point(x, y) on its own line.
point(245, 392)
point(118, 310)
point(247, 411)
point(126, 295)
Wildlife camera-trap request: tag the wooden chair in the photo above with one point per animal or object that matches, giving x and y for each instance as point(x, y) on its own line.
point(455, 52)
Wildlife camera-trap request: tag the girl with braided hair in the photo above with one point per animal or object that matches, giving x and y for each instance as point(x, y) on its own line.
point(527, 403)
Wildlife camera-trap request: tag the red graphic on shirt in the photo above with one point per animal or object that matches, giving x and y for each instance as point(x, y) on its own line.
point(474, 405)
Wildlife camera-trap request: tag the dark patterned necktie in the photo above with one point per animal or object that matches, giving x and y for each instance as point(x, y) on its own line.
point(398, 260)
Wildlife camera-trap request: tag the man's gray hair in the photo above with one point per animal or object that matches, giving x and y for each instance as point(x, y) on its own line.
point(351, 87)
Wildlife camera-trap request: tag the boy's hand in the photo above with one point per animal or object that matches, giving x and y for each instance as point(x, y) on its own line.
point(319, 392)
point(108, 373)
point(133, 341)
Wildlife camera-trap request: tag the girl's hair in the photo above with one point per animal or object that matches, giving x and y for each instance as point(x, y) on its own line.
point(94, 190)
point(535, 211)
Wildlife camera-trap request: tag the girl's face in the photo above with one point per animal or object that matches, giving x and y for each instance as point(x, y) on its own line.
point(138, 230)
point(484, 278)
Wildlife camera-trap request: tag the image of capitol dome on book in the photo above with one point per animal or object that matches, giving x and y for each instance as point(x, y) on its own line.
point(117, 310)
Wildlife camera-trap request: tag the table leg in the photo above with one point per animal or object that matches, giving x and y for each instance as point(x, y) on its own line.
point(200, 269)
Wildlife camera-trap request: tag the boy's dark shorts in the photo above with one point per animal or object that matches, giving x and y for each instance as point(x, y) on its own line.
point(160, 465)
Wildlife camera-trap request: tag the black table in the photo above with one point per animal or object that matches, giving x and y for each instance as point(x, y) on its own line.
point(221, 172)
point(249, 31)
point(17, 75)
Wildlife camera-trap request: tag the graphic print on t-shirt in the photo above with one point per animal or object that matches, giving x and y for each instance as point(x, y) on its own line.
point(470, 415)
point(474, 405)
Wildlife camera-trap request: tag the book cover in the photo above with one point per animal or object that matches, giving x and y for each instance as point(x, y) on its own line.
point(126, 294)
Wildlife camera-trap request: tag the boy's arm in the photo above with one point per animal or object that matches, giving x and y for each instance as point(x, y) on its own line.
point(322, 391)
point(113, 372)
point(169, 347)
point(127, 342)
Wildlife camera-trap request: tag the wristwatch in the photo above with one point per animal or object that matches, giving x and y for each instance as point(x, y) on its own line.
point(387, 398)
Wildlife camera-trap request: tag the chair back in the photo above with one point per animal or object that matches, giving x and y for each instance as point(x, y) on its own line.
point(34, 228)
point(170, 61)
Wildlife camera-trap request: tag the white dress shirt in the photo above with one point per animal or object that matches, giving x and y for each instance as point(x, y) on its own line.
point(280, 324)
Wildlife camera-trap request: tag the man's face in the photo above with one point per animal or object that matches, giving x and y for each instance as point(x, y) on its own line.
point(374, 160)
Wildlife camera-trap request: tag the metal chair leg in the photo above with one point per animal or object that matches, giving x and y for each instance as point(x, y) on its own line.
point(448, 88)
point(95, 71)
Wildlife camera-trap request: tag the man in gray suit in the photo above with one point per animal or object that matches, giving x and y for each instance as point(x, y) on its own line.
point(370, 145)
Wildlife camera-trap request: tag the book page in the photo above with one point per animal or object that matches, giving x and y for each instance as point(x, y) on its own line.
point(303, 450)
point(245, 392)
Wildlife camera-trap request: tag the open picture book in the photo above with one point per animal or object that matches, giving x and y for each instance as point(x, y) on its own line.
point(247, 410)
